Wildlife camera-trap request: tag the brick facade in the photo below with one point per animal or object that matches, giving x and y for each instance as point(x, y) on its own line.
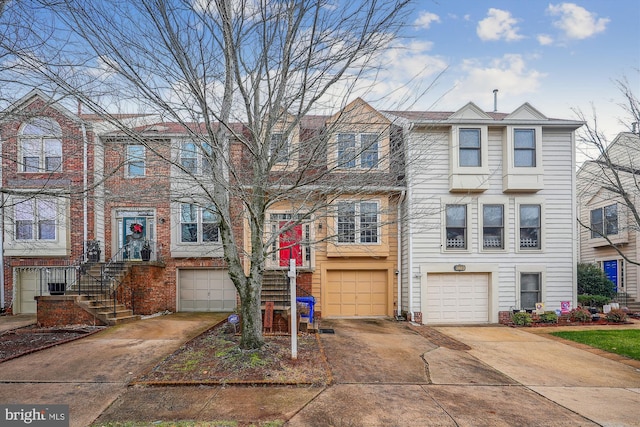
point(63, 310)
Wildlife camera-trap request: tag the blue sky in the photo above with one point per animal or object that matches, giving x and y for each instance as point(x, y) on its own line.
point(557, 56)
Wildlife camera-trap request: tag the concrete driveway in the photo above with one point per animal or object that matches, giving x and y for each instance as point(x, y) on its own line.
point(389, 374)
point(89, 374)
point(386, 373)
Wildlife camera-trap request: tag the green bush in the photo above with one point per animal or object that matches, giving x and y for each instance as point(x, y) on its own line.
point(616, 315)
point(548, 317)
point(521, 318)
point(593, 300)
point(593, 281)
point(580, 315)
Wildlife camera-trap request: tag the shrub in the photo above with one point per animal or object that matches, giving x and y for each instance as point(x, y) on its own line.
point(616, 315)
point(580, 314)
point(593, 300)
point(593, 281)
point(548, 317)
point(521, 318)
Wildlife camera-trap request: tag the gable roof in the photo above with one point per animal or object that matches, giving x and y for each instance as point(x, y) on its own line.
point(33, 96)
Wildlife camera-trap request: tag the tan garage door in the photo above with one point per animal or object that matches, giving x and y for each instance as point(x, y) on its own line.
point(206, 290)
point(356, 293)
point(457, 298)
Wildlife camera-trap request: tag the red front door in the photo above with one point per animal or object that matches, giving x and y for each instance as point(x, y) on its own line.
point(290, 244)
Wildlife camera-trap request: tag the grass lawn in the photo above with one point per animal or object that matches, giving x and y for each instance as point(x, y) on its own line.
point(625, 342)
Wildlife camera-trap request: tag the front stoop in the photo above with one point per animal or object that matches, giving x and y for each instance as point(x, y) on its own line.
point(69, 309)
point(103, 309)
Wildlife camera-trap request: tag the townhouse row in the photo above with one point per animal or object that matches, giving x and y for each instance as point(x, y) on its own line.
point(443, 217)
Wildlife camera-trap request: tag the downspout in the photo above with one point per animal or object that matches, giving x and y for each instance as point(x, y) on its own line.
point(409, 229)
point(399, 269)
point(2, 298)
point(85, 171)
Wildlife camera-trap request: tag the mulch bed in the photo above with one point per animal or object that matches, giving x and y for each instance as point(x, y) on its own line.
point(215, 357)
point(21, 341)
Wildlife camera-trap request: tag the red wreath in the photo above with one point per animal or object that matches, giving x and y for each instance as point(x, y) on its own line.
point(136, 228)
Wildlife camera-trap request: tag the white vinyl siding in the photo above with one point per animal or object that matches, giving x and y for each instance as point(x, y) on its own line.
point(428, 175)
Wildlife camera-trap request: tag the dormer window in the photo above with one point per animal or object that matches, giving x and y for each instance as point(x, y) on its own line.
point(358, 150)
point(41, 146)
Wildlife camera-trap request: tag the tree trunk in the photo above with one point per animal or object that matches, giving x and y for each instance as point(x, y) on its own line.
point(251, 315)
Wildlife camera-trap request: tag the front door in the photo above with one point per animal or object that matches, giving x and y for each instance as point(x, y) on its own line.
point(611, 271)
point(290, 244)
point(134, 233)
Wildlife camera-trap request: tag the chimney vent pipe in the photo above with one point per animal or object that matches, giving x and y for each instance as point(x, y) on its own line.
point(495, 100)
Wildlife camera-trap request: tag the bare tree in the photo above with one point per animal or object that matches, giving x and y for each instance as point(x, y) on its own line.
point(269, 65)
point(613, 174)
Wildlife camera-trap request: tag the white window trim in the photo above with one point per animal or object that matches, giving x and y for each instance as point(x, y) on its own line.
point(359, 151)
point(494, 200)
point(128, 161)
point(468, 178)
point(468, 223)
point(623, 229)
point(180, 249)
point(198, 155)
point(543, 223)
point(536, 269)
point(36, 247)
point(522, 178)
point(357, 223)
point(41, 139)
point(272, 263)
point(287, 146)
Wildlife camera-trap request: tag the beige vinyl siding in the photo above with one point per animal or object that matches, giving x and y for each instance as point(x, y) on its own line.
point(590, 196)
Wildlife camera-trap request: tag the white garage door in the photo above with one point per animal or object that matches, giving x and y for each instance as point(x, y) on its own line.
point(356, 293)
point(205, 290)
point(457, 298)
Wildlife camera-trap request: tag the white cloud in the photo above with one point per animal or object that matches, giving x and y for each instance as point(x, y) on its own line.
point(509, 74)
point(545, 39)
point(426, 19)
point(576, 22)
point(499, 24)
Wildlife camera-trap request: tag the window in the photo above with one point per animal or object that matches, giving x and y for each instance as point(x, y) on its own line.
point(369, 155)
point(456, 226)
point(530, 220)
point(524, 148)
point(35, 220)
point(530, 290)
point(358, 150)
point(357, 222)
point(41, 146)
point(604, 221)
point(470, 153)
point(279, 148)
point(198, 224)
point(493, 226)
point(135, 161)
point(189, 157)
